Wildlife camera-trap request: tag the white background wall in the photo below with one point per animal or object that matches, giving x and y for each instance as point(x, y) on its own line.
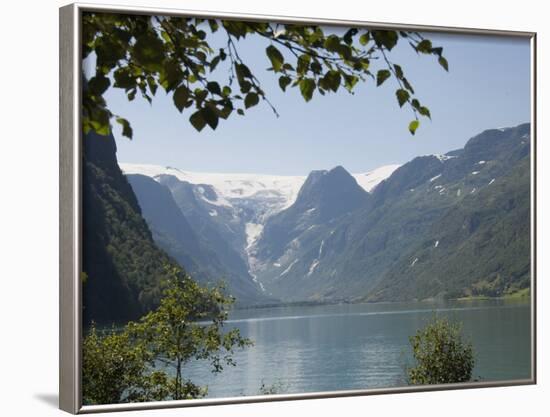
point(29, 208)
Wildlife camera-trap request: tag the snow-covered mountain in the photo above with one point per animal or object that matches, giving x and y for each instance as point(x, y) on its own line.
point(234, 208)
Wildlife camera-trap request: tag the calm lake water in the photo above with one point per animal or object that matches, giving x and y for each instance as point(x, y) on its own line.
point(341, 347)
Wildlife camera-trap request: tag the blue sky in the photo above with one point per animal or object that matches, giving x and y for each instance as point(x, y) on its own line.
point(487, 86)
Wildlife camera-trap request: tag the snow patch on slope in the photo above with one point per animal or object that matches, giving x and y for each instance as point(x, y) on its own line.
point(443, 158)
point(316, 262)
point(253, 232)
point(313, 266)
point(287, 270)
point(369, 180)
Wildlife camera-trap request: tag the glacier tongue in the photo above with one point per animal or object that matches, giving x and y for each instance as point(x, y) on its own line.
point(253, 232)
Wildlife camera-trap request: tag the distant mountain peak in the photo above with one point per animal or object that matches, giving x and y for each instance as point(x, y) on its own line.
point(318, 180)
point(339, 169)
point(333, 193)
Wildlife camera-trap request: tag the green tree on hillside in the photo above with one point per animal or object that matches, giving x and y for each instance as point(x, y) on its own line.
point(442, 355)
point(112, 365)
point(145, 361)
point(139, 54)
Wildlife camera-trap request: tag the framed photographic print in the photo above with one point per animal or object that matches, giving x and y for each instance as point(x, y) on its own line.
point(258, 208)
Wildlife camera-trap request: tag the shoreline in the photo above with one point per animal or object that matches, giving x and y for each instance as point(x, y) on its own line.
point(523, 294)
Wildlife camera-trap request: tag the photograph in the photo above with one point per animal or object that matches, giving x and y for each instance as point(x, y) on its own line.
point(282, 207)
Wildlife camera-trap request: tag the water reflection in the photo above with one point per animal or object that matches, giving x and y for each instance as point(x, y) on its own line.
point(340, 347)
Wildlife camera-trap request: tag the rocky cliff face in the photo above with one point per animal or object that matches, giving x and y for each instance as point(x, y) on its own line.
point(122, 264)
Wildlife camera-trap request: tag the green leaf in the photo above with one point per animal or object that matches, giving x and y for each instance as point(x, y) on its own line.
point(109, 51)
point(123, 78)
point(402, 96)
point(171, 75)
point(126, 128)
point(398, 71)
point(443, 62)
point(251, 100)
point(364, 38)
point(197, 120)
point(303, 64)
point(316, 67)
point(181, 97)
point(151, 82)
point(226, 111)
point(332, 80)
point(284, 81)
point(213, 25)
point(275, 57)
point(98, 84)
point(201, 34)
point(214, 63)
point(100, 121)
point(226, 91)
point(101, 128)
point(413, 126)
point(350, 81)
point(240, 112)
point(149, 51)
point(345, 51)
point(245, 86)
point(382, 76)
point(214, 88)
point(210, 116)
point(424, 46)
point(235, 28)
point(348, 36)
point(386, 38)
point(242, 71)
point(307, 86)
point(424, 111)
point(200, 95)
point(332, 43)
point(407, 85)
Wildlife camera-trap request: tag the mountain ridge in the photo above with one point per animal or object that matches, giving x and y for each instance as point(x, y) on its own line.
point(350, 257)
point(329, 239)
